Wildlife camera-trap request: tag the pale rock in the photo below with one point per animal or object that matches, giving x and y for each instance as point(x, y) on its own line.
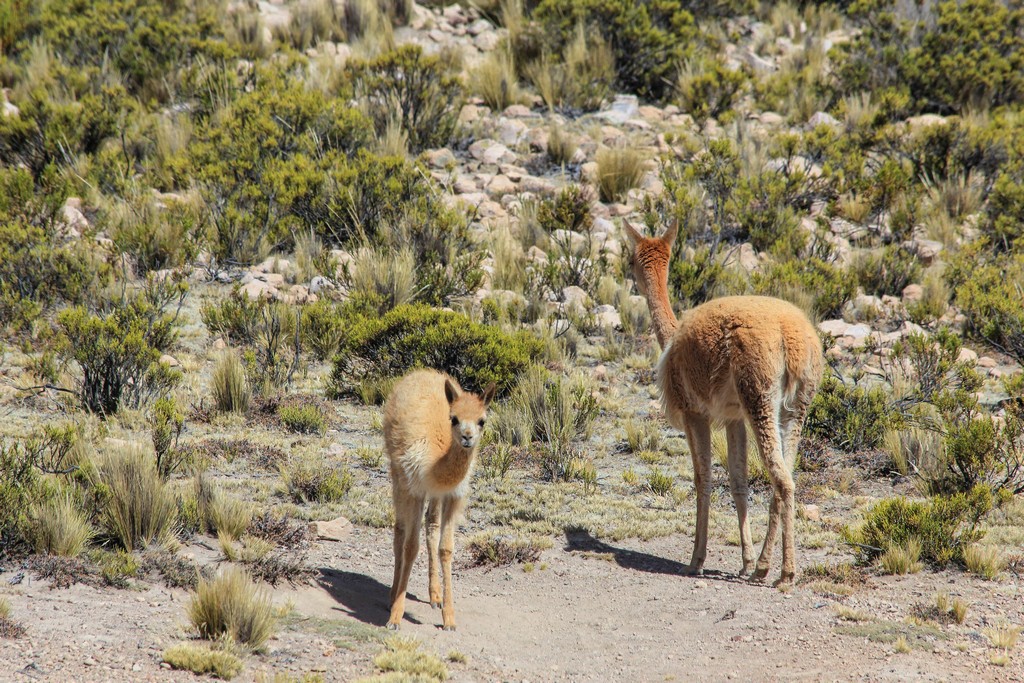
point(575, 240)
point(865, 302)
point(496, 154)
point(507, 297)
point(912, 293)
point(501, 185)
point(925, 121)
point(538, 186)
point(606, 316)
point(465, 185)
point(823, 119)
point(511, 131)
point(575, 297)
point(928, 250)
point(74, 220)
point(453, 14)
point(478, 27)
point(439, 158)
point(601, 373)
point(320, 284)
point(169, 361)
point(487, 41)
point(611, 246)
point(772, 119)
point(489, 209)
point(538, 139)
point(638, 124)
point(219, 344)
point(651, 114)
point(987, 362)
point(301, 295)
point(756, 62)
point(967, 356)
point(622, 109)
point(273, 264)
point(588, 171)
point(337, 529)
point(537, 256)
point(342, 53)
point(275, 280)
point(437, 35)
point(811, 513)
point(519, 111)
point(470, 198)
point(10, 110)
point(837, 328)
point(256, 290)
point(471, 113)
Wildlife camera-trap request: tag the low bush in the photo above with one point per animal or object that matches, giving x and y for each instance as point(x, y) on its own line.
point(706, 88)
point(828, 287)
point(377, 347)
point(888, 271)
point(414, 87)
point(303, 419)
point(203, 660)
point(851, 417)
point(167, 424)
point(232, 606)
point(310, 479)
point(618, 172)
point(9, 627)
point(943, 526)
point(493, 550)
point(988, 291)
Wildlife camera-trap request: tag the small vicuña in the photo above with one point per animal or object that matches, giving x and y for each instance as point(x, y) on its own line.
point(431, 432)
point(732, 359)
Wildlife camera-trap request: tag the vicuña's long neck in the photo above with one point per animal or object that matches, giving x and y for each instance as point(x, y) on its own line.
point(664, 319)
point(453, 466)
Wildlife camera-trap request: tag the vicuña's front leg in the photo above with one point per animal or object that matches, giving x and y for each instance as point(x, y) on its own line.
point(408, 519)
point(433, 540)
point(450, 510)
point(698, 433)
point(736, 435)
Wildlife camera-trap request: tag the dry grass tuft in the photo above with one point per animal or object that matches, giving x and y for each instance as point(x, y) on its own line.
point(983, 561)
point(9, 628)
point(231, 605)
point(139, 509)
point(60, 527)
point(229, 386)
point(618, 171)
point(903, 559)
point(493, 550)
point(200, 659)
point(495, 81)
point(404, 656)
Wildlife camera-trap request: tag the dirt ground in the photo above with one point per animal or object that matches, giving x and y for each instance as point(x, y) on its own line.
point(596, 611)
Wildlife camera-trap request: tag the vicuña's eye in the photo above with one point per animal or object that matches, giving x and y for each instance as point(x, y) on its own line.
point(455, 421)
point(481, 422)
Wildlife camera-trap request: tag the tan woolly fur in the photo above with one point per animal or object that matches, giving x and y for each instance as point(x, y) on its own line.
point(734, 359)
point(431, 432)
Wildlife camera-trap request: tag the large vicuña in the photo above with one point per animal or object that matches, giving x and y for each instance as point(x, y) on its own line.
point(732, 359)
point(431, 432)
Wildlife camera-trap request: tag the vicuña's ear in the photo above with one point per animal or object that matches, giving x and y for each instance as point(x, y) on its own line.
point(450, 392)
point(489, 392)
point(632, 233)
point(670, 235)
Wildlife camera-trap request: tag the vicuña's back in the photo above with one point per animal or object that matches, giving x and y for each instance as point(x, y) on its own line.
point(726, 353)
point(737, 359)
point(431, 431)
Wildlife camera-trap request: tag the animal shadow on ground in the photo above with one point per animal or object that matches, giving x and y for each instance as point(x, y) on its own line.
point(583, 541)
point(361, 597)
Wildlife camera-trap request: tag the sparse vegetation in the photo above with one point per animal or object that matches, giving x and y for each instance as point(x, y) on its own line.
point(200, 659)
point(136, 506)
point(232, 605)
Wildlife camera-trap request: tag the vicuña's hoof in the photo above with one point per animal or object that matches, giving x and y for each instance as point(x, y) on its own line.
point(435, 603)
point(450, 627)
point(690, 570)
point(392, 626)
point(759, 575)
point(784, 581)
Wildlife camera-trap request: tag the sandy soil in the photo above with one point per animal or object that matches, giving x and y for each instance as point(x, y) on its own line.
point(597, 611)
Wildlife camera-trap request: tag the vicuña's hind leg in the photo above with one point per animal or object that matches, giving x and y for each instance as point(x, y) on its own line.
point(433, 539)
point(408, 520)
point(769, 442)
point(698, 434)
point(449, 512)
point(736, 435)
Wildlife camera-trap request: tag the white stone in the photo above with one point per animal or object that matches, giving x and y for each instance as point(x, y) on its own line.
point(912, 293)
point(258, 289)
point(622, 109)
point(333, 530)
point(607, 316)
point(823, 119)
point(837, 328)
point(169, 360)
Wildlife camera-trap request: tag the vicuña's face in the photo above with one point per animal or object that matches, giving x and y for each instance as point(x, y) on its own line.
point(467, 428)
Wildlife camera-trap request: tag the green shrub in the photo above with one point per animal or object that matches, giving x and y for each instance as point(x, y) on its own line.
point(943, 526)
point(136, 507)
point(706, 88)
point(203, 660)
point(888, 271)
point(414, 88)
point(827, 286)
point(156, 234)
point(376, 347)
point(321, 325)
point(988, 290)
point(310, 479)
point(119, 364)
point(116, 566)
point(304, 419)
point(1004, 215)
point(232, 606)
point(21, 487)
point(167, 424)
point(850, 417)
point(648, 38)
point(60, 526)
